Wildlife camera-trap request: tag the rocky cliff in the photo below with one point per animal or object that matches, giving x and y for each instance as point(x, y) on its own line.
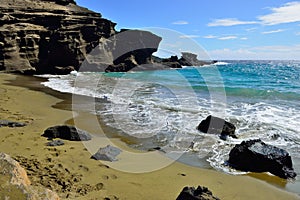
point(58, 36)
point(48, 36)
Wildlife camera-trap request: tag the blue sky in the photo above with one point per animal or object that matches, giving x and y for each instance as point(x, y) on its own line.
point(231, 29)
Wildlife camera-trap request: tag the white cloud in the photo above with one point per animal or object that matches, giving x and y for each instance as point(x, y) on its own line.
point(273, 31)
point(229, 22)
point(189, 36)
point(278, 48)
point(228, 38)
point(210, 36)
point(229, 54)
point(181, 22)
point(251, 29)
point(288, 13)
point(258, 53)
point(298, 33)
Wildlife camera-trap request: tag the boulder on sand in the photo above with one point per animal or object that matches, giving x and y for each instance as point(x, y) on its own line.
point(15, 183)
point(256, 156)
point(67, 132)
point(201, 193)
point(215, 125)
point(108, 153)
point(11, 124)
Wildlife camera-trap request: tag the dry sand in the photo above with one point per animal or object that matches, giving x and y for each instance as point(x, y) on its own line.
point(70, 172)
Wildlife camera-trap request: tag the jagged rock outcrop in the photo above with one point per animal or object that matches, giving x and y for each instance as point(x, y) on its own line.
point(58, 36)
point(48, 36)
point(171, 62)
point(256, 156)
point(187, 59)
point(190, 59)
point(15, 183)
point(132, 48)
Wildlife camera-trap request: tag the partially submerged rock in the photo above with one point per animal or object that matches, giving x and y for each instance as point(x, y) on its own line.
point(108, 153)
point(11, 123)
point(256, 156)
point(67, 132)
point(15, 183)
point(201, 193)
point(215, 125)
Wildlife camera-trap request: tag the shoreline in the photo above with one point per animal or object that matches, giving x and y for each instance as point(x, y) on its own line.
point(42, 107)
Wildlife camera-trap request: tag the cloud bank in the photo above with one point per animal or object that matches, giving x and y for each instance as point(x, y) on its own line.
point(287, 13)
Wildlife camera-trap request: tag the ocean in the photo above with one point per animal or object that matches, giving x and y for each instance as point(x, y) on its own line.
point(163, 108)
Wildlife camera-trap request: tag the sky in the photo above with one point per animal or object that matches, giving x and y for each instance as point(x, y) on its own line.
point(224, 30)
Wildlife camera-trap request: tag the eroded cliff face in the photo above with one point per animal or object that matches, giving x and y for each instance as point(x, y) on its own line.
point(48, 36)
point(58, 36)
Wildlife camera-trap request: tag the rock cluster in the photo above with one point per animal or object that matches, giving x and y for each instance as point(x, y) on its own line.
point(187, 59)
point(252, 155)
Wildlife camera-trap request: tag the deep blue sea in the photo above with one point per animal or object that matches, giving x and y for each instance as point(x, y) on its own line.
point(163, 108)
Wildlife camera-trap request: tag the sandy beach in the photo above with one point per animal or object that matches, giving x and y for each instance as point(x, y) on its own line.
point(69, 171)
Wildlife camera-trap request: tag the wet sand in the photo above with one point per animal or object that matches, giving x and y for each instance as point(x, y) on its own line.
point(69, 171)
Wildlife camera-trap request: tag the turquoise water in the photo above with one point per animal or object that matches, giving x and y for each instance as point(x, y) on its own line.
point(163, 108)
point(250, 79)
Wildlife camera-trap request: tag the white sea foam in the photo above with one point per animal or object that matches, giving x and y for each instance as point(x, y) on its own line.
point(48, 76)
point(75, 73)
point(146, 110)
point(60, 84)
point(221, 63)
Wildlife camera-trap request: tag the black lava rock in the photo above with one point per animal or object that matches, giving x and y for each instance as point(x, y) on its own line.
point(215, 125)
point(256, 156)
point(67, 132)
point(201, 193)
